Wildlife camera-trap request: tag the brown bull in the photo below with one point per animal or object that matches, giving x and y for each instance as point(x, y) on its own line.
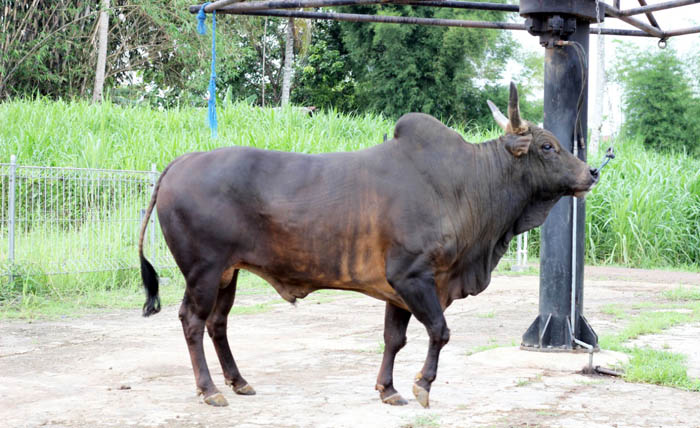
point(418, 221)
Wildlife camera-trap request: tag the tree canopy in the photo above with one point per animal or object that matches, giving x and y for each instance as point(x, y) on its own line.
point(659, 103)
point(156, 56)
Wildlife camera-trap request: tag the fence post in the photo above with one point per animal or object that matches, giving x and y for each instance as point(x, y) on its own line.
point(154, 179)
point(11, 215)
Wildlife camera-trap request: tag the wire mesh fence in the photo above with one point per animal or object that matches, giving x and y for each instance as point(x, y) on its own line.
point(74, 220)
point(56, 220)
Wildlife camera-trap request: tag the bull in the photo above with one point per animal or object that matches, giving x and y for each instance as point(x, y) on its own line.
point(418, 222)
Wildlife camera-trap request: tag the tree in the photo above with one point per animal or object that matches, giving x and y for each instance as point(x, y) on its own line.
point(288, 61)
point(323, 77)
point(103, 29)
point(659, 105)
point(435, 70)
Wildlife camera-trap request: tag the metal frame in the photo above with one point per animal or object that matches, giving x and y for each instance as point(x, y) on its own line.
point(564, 29)
point(276, 8)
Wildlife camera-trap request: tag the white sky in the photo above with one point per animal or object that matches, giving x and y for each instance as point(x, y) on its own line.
point(671, 19)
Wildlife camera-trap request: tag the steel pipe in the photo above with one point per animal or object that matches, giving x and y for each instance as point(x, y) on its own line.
point(285, 4)
point(650, 16)
point(682, 31)
point(301, 4)
point(352, 17)
point(658, 6)
point(386, 19)
point(611, 11)
point(465, 5)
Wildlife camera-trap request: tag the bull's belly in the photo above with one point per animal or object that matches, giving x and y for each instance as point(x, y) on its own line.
point(293, 284)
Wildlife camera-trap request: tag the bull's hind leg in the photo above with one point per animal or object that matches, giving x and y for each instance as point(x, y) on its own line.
point(395, 324)
point(200, 296)
point(216, 326)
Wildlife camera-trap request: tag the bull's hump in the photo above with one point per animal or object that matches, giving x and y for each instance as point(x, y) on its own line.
point(423, 129)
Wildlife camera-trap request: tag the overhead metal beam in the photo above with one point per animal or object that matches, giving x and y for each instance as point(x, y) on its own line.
point(501, 7)
point(682, 31)
point(301, 4)
point(285, 4)
point(657, 6)
point(386, 19)
point(611, 11)
point(649, 15)
point(353, 17)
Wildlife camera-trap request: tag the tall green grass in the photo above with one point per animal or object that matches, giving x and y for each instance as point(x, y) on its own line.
point(645, 211)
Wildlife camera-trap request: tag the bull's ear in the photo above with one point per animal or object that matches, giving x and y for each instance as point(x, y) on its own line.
point(500, 119)
point(517, 125)
point(518, 145)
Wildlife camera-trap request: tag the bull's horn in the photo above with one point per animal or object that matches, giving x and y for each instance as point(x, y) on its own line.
point(500, 119)
point(517, 125)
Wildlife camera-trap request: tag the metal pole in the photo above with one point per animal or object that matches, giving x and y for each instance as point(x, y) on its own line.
point(154, 180)
point(386, 19)
point(611, 11)
point(655, 7)
point(561, 276)
point(354, 17)
point(11, 215)
point(299, 4)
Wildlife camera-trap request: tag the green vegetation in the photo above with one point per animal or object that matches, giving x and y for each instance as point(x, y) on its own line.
point(424, 421)
point(493, 344)
point(645, 212)
point(683, 294)
point(648, 365)
point(660, 106)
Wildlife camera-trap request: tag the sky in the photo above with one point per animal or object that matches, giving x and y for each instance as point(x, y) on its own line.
point(671, 19)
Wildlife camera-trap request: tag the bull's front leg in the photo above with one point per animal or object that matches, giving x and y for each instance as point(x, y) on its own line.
point(419, 292)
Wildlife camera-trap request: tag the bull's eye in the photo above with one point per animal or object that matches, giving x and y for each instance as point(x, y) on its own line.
point(547, 147)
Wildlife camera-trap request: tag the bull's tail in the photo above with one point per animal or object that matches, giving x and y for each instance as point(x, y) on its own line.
point(148, 273)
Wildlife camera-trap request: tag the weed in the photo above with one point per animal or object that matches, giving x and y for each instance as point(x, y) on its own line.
point(683, 294)
point(424, 421)
point(614, 310)
point(487, 315)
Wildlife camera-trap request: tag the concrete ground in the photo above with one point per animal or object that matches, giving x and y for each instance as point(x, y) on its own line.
point(315, 365)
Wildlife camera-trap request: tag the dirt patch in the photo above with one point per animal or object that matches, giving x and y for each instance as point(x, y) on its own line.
point(314, 365)
point(644, 275)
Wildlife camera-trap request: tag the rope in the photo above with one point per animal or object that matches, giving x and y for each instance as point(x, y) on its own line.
point(201, 17)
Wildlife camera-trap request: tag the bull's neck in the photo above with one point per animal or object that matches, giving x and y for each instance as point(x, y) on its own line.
point(495, 193)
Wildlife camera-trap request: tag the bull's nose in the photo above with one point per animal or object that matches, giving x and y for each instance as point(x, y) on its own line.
point(594, 173)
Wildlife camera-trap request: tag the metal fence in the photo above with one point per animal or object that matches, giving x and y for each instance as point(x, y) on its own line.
point(74, 220)
point(79, 220)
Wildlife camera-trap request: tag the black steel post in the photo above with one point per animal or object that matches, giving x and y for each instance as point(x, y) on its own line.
point(551, 329)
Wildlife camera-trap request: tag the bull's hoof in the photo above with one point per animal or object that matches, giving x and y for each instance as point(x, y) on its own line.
point(395, 400)
point(422, 395)
point(244, 390)
point(216, 400)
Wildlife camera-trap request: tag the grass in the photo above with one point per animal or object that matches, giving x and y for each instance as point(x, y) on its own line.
point(614, 310)
point(527, 381)
point(683, 294)
point(647, 365)
point(645, 212)
point(493, 344)
point(423, 421)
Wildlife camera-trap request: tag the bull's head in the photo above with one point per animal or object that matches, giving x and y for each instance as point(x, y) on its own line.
point(551, 169)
